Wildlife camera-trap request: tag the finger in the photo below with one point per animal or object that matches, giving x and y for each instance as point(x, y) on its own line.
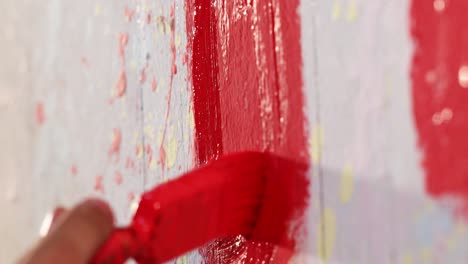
point(58, 215)
point(81, 231)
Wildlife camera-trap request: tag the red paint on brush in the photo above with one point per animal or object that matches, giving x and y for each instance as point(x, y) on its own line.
point(439, 84)
point(40, 113)
point(252, 194)
point(247, 88)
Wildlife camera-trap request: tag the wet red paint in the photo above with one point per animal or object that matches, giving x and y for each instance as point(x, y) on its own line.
point(40, 113)
point(440, 95)
point(247, 90)
point(252, 194)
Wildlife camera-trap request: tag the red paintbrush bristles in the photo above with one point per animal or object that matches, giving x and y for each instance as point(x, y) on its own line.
point(251, 194)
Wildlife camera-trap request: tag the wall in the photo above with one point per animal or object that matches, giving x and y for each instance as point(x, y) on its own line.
point(73, 127)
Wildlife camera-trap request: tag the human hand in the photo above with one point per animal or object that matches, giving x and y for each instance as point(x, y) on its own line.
point(74, 235)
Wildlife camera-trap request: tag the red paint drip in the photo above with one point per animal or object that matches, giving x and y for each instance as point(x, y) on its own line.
point(439, 81)
point(40, 113)
point(247, 92)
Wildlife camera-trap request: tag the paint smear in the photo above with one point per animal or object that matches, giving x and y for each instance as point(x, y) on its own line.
point(326, 234)
point(118, 178)
point(74, 170)
point(116, 141)
point(40, 113)
point(121, 85)
point(246, 67)
point(439, 82)
point(154, 85)
point(98, 184)
point(129, 13)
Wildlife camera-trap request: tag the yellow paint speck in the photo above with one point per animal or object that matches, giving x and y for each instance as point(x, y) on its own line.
point(159, 138)
point(123, 115)
point(408, 259)
point(133, 65)
point(162, 83)
point(149, 132)
point(139, 151)
point(97, 9)
point(177, 40)
point(167, 27)
point(352, 11)
point(346, 184)
point(171, 152)
point(153, 164)
point(460, 228)
point(182, 260)
point(336, 10)
point(426, 255)
point(191, 118)
point(135, 137)
point(316, 143)
point(326, 230)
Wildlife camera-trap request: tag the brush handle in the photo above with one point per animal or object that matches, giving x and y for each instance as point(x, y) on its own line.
point(120, 246)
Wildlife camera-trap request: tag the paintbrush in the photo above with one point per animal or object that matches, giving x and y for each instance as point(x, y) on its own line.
point(256, 195)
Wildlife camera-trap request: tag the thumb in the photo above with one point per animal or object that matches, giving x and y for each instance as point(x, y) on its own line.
point(79, 234)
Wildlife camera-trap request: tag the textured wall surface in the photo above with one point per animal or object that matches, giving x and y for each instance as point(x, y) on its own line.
point(73, 126)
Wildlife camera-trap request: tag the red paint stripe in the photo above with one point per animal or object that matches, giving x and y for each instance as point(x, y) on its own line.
point(246, 69)
point(440, 97)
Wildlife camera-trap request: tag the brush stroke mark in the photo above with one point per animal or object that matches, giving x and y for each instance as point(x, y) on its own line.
point(440, 35)
point(247, 93)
